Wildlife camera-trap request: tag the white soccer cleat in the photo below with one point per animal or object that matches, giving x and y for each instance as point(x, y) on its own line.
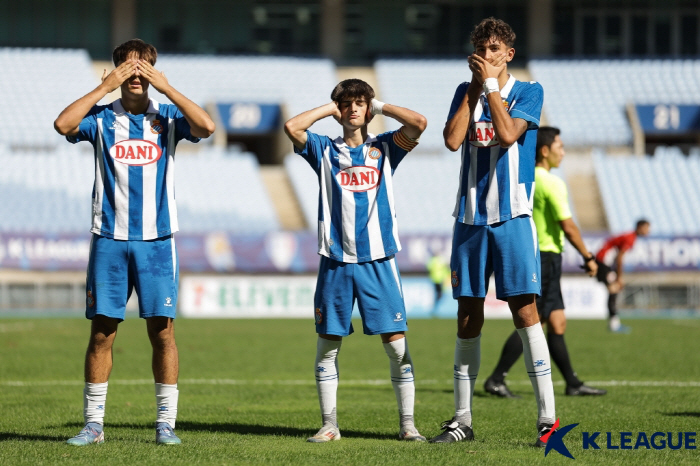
point(411, 435)
point(328, 433)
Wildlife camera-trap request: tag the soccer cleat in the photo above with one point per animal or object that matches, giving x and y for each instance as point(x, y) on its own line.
point(165, 435)
point(584, 390)
point(498, 389)
point(91, 433)
point(328, 433)
point(544, 431)
point(453, 432)
point(411, 435)
point(621, 329)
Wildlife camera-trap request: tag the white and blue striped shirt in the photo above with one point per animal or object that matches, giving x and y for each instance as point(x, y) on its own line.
point(356, 215)
point(133, 197)
point(497, 183)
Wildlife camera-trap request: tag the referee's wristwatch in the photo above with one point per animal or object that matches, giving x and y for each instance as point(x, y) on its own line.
point(586, 260)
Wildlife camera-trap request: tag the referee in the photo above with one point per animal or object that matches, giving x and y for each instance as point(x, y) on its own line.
point(553, 221)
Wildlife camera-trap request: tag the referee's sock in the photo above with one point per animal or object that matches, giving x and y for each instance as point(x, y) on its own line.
point(560, 356)
point(512, 349)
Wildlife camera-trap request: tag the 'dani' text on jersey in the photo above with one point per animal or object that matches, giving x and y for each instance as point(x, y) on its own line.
point(356, 214)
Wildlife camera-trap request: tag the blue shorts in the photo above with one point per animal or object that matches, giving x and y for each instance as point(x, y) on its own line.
point(116, 267)
point(377, 287)
point(507, 249)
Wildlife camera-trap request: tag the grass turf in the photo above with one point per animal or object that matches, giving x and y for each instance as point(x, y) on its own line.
point(247, 395)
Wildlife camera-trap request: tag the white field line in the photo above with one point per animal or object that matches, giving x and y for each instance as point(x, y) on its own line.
point(356, 383)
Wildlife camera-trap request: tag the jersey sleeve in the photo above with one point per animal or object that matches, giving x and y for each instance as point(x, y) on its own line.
point(399, 145)
point(457, 99)
point(528, 104)
point(313, 150)
point(558, 198)
point(87, 129)
point(182, 128)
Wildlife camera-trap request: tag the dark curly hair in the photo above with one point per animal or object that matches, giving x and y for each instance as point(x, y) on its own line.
point(136, 46)
point(493, 28)
point(352, 88)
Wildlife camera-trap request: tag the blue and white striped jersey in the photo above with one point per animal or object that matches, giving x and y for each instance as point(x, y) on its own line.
point(133, 197)
point(497, 183)
point(356, 215)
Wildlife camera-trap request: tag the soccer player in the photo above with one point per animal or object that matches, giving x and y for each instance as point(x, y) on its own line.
point(613, 278)
point(494, 118)
point(357, 239)
point(133, 221)
point(553, 220)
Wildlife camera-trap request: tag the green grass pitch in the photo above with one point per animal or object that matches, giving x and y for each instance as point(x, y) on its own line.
point(247, 395)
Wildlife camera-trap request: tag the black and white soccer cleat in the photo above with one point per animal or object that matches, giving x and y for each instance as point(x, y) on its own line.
point(453, 432)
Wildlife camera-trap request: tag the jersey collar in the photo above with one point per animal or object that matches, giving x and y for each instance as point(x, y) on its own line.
point(340, 142)
point(118, 108)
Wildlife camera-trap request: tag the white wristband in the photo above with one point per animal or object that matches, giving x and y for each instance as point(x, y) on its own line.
point(491, 85)
point(375, 107)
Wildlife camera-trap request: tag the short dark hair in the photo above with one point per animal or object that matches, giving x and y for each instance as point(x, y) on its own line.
point(352, 88)
point(134, 46)
point(492, 27)
point(545, 137)
point(641, 222)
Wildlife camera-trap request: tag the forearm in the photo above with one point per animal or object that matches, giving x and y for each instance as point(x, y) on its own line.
point(507, 129)
point(414, 122)
point(456, 127)
point(296, 127)
point(573, 235)
point(69, 119)
point(201, 124)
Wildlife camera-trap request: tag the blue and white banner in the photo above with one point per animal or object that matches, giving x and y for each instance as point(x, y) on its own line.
point(295, 252)
point(245, 118)
point(667, 119)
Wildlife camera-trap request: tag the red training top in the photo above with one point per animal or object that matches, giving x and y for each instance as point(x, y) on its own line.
point(621, 243)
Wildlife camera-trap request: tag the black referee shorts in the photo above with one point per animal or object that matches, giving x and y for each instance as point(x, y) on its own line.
point(551, 299)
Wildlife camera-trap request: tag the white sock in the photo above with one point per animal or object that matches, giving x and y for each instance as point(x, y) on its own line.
point(539, 368)
point(467, 362)
point(327, 377)
point(166, 403)
point(401, 368)
point(94, 399)
point(614, 323)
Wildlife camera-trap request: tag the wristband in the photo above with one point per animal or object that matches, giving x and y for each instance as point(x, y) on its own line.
point(376, 106)
point(491, 85)
point(588, 259)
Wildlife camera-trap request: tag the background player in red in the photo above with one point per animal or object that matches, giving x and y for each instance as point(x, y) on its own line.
point(612, 276)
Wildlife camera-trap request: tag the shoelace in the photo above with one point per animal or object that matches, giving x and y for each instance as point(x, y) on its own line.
point(449, 424)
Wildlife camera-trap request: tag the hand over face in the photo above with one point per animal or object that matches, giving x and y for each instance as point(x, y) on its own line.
point(117, 76)
point(482, 69)
point(147, 72)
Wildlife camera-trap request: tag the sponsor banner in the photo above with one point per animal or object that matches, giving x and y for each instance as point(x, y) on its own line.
point(247, 296)
point(296, 252)
point(249, 117)
point(290, 296)
point(584, 298)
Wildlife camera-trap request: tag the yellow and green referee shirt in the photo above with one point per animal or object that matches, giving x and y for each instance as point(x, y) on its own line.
point(551, 206)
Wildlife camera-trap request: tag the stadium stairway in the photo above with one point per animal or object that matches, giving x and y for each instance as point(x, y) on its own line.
point(584, 192)
point(283, 197)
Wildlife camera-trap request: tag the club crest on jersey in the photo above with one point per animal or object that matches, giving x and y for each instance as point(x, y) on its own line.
point(374, 153)
point(135, 152)
point(482, 134)
point(358, 179)
point(156, 127)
